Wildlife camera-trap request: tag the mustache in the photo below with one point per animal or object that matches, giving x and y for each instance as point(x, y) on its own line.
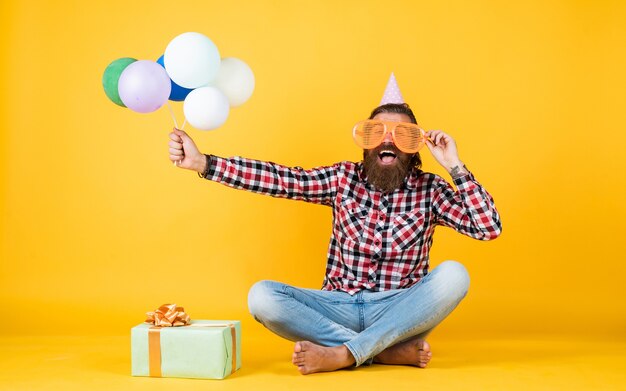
point(386, 147)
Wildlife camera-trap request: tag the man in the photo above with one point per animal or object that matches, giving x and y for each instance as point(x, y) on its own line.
point(378, 301)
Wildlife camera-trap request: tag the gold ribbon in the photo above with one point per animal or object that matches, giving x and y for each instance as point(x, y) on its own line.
point(169, 315)
point(154, 350)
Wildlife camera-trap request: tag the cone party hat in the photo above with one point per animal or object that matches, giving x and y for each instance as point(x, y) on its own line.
point(392, 92)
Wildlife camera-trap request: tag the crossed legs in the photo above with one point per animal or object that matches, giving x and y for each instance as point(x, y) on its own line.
point(333, 330)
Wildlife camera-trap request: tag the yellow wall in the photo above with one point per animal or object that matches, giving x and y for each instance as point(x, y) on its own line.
point(98, 227)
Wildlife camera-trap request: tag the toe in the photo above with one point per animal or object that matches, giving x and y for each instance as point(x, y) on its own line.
point(298, 347)
point(304, 346)
point(297, 359)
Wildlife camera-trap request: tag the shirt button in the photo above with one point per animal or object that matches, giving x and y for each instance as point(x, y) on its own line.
point(381, 216)
point(377, 242)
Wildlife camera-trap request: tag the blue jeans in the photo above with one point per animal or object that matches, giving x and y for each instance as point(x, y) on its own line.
point(366, 323)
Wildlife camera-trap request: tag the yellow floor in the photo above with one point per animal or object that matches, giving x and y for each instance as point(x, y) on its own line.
point(103, 363)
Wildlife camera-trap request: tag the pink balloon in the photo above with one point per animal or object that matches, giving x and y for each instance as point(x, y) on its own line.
point(144, 86)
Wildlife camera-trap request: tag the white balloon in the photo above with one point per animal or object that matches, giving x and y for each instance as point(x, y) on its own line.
point(236, 80)
point(206, 108)
point(191, 60)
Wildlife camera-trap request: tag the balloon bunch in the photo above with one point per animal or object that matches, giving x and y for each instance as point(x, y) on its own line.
point(190, 70)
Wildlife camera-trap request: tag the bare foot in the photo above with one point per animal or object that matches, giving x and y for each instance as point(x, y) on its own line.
point(311, 358)
point(412, 352)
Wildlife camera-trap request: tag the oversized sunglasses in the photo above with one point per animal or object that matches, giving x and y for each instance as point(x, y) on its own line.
point(408, 137)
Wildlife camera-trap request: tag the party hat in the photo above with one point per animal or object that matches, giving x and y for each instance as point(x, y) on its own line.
point(392, 92)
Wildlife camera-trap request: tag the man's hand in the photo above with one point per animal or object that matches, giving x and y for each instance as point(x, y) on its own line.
point(184, 153)
point(443, 149)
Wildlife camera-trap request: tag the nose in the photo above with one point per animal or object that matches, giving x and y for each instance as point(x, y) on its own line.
point(388, 139)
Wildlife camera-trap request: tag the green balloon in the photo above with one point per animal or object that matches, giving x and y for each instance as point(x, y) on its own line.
point(112, 76)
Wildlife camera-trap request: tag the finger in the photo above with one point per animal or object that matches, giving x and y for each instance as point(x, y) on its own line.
point(175, 137)
point(175, 158)
point(431, 146)
point(439, 139)
point(185, 138)
point(443, 136)
point(180, 132)
point(432, 135)
point(176, 152)
point(175, 144)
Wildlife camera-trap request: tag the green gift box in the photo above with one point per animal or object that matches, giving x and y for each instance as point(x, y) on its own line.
point(204, 349)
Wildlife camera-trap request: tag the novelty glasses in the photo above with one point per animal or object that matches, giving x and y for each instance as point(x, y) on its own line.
point(408, 137)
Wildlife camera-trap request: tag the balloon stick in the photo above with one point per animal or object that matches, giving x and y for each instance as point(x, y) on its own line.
point(175, 124)
point(172, 113)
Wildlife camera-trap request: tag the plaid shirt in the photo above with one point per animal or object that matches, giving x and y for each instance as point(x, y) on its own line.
point(379, 241)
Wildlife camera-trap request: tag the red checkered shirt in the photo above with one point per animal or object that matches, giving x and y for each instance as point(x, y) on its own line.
point(379, 241)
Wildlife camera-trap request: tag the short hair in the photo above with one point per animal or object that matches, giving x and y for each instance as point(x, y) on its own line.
point(400, 108)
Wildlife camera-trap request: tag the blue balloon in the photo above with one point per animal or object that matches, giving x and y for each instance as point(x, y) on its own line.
point(178, 93)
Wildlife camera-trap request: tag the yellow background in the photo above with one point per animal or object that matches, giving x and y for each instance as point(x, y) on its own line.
point(98, 227)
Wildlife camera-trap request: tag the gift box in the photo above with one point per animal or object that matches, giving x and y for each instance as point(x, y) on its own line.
point(204, 349)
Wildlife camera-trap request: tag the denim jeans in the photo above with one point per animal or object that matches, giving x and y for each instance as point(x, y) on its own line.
point(366, 323)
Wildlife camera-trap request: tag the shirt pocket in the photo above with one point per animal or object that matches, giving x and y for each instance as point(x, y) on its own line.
point(406, 229)
point(352, 220)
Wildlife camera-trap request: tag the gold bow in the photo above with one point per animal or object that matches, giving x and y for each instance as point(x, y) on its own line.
point(168, 315)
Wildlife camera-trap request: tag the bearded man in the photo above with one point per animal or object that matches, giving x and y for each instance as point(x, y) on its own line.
point(379, 300)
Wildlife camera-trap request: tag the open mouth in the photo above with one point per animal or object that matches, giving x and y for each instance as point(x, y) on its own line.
point(387, 156)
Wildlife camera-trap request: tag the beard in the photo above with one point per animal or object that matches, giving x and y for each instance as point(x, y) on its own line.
point(387, 178)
